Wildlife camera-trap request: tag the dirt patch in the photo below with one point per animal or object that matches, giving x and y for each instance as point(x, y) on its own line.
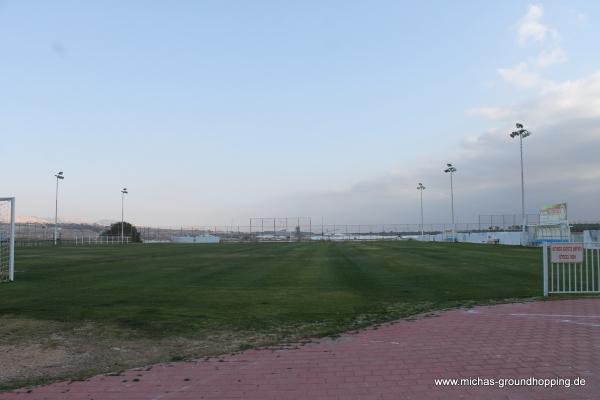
point(16, 361)
point(33, 352)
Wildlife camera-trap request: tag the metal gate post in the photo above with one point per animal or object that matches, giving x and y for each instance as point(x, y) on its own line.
point(11, 243)
point(545, 257)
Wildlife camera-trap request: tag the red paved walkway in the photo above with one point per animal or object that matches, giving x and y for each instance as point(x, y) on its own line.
point(399, 361)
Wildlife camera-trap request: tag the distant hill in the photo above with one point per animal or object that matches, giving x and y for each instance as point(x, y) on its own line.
point(29, 219)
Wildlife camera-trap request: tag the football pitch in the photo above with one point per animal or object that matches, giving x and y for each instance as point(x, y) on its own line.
point(242, 295)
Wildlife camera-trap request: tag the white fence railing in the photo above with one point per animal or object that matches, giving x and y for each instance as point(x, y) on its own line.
point(85, 241)
point(571, 268)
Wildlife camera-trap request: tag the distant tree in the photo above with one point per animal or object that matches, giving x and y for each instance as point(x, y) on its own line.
point(128, 230)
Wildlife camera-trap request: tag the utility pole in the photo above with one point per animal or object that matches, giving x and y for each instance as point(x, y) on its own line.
point(522, 133)
point(451, 170)
point(58, 176)
point(123, 193)
point(421, 188)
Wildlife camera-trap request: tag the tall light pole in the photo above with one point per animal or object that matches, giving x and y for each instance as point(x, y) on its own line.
point(58, 176)
point(421, 188)
point(123, 193)
point(451, 170)
point(521, 133)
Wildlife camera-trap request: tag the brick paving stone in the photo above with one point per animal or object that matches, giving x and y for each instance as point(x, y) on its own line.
point(395, 361)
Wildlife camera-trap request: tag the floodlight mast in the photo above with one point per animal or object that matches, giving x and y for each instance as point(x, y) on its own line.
point(123, 193)
point(451, 170)
point(58, 176)
point(521, 133)
point(421, 188)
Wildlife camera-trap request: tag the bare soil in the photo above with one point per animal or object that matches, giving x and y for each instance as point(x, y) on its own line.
point(34, 352)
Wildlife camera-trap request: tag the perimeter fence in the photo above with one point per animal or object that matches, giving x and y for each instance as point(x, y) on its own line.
point(282, 229)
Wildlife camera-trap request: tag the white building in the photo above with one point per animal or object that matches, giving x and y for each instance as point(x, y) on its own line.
point(195, 239)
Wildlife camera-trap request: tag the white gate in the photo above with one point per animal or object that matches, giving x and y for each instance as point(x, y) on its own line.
point(571, 268)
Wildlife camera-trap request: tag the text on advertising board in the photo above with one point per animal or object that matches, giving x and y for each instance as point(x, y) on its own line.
point(566, 253)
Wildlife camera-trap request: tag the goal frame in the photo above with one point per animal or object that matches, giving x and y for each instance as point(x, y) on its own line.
point(11, 239)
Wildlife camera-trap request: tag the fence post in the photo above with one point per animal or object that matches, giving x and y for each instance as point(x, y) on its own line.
point(545, 257)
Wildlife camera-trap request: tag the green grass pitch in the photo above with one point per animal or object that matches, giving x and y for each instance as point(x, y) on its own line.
point(164, 289)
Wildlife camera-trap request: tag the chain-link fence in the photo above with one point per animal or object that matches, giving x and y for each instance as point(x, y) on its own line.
point(68, 234)
point(276, 229)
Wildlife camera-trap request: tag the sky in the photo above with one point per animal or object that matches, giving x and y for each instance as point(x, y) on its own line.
point(211, 112)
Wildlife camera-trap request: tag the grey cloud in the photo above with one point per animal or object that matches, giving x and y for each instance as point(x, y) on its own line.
point(562, 163)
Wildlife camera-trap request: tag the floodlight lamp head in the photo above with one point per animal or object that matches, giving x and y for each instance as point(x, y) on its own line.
point(525, 133)
point(450, 168)
point(519, 126)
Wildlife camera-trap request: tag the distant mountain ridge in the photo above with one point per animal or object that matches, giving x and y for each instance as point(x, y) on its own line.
point(29, 219)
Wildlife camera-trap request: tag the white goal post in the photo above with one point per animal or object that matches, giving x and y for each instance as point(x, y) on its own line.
point(7, 239)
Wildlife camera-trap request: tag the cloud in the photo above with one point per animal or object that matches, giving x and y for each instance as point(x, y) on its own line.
point(550, 57)
point(521, 76)
point(531, 29)
point(561, 164)
point(574, 99)
point(527, 74)
point(561, 160)
point(565, 121)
